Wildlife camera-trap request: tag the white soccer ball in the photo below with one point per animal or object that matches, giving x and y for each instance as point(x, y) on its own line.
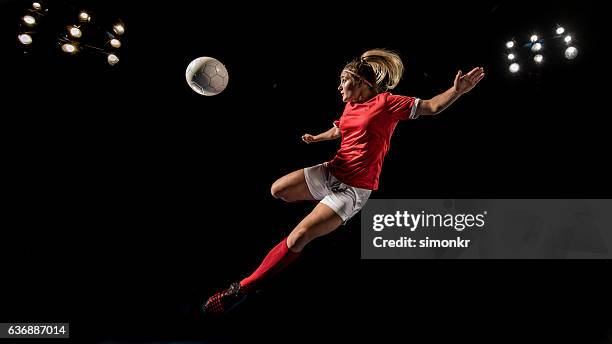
point(207, 76)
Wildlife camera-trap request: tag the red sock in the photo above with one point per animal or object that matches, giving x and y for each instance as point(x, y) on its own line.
point(277, 259)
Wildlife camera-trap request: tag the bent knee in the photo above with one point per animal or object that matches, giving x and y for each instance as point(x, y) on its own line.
point(277, 190)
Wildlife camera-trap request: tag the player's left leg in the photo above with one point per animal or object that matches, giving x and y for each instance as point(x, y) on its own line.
point(320, 221)
point(334, 209)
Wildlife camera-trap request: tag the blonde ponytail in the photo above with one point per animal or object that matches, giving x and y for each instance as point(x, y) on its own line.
point(387, 66)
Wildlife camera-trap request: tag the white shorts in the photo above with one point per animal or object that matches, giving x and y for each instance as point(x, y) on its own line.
point(344, 199)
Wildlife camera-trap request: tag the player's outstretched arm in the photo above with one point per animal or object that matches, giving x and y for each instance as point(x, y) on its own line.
point(461, 85)
point(331, 134)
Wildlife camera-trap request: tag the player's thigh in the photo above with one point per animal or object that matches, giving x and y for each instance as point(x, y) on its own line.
point(292, 187)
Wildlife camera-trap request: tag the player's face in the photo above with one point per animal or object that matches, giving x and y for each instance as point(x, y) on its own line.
point(348, 88)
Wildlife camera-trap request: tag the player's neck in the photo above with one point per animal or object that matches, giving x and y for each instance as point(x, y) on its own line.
point(366, 96)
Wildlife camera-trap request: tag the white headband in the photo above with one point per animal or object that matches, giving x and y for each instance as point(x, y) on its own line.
point(359, 76)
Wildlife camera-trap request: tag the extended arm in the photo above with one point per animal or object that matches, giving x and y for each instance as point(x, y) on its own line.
point(462, 85)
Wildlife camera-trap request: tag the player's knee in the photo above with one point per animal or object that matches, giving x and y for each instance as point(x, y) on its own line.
point(280, 191)
point(277, 190)
point(299, 238)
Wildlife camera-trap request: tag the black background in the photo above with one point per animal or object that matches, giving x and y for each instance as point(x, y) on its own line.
point(128, 197)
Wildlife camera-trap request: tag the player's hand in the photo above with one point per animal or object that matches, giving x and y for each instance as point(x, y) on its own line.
point(308, 138)
point(465, 83)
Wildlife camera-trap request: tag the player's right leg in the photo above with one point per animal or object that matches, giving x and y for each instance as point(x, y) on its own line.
point(292, 188)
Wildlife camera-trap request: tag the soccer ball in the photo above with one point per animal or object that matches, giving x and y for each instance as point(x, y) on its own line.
point(207, 76)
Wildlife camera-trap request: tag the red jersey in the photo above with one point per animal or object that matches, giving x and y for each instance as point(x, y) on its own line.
point(366, 134)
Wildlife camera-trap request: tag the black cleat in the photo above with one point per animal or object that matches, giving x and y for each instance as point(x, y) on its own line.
point(224, 301)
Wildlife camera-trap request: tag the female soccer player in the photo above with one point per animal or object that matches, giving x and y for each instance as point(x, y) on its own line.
point(344, 184)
